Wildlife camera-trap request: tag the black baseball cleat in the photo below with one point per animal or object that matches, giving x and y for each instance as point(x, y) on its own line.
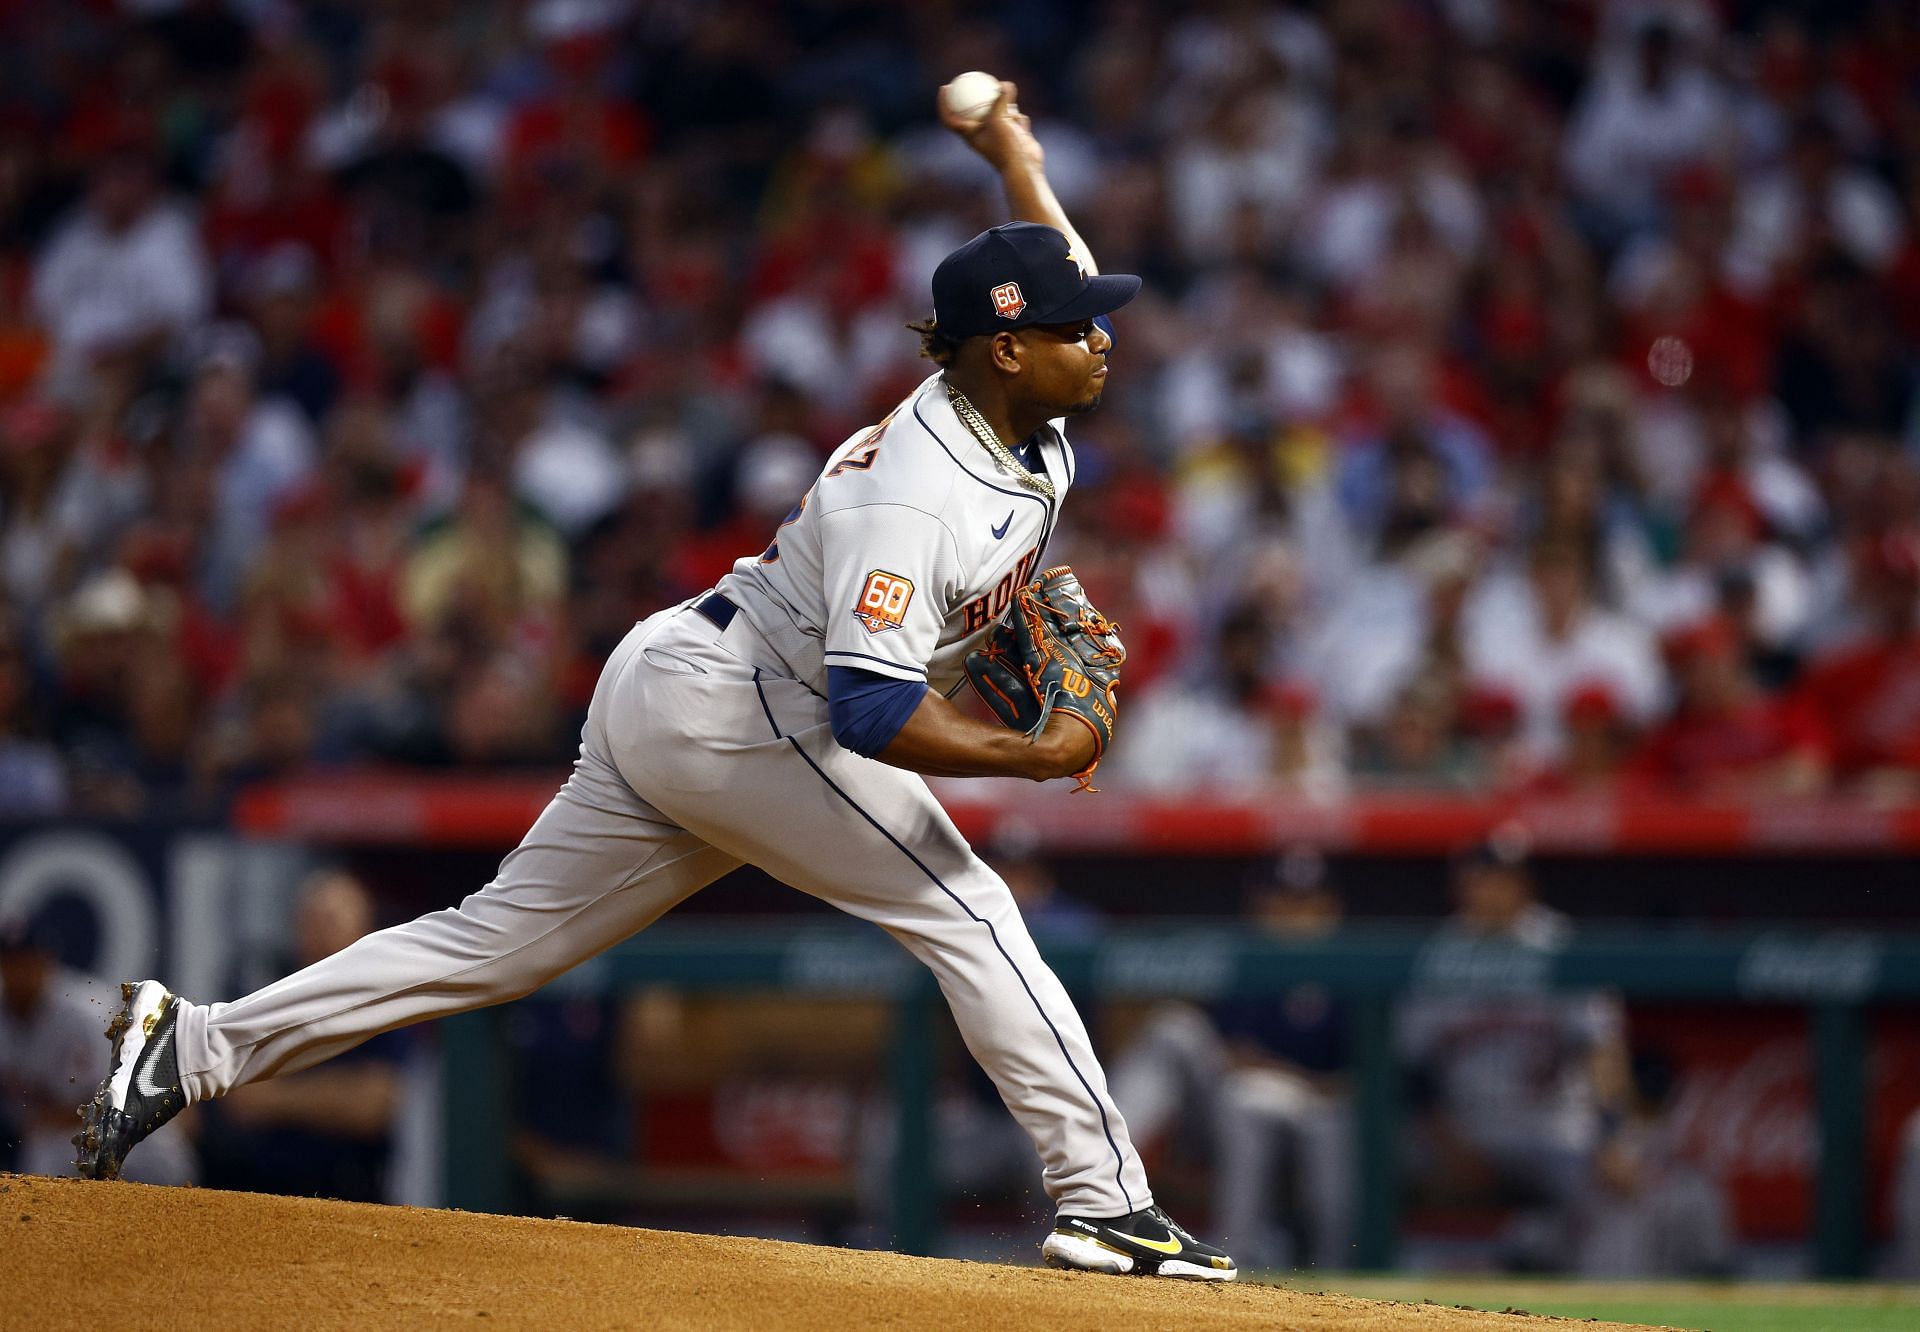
point(1146, 1243)
point(142, 1090)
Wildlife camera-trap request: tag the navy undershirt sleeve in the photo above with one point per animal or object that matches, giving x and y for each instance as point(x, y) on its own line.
point(867, 709)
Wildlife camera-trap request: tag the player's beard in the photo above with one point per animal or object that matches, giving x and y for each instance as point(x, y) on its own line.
point(1084, 406)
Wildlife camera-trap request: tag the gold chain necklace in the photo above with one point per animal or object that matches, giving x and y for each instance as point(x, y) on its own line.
point(970, 418)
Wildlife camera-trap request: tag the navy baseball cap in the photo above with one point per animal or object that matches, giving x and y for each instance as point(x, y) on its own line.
point(1017, 274)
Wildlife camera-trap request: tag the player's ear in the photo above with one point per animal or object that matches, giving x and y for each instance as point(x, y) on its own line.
point(1004, 350)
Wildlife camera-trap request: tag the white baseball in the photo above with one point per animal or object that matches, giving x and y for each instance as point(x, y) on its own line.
point(971, 95)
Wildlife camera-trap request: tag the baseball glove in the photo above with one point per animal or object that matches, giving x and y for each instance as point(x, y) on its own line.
point(1052, 653)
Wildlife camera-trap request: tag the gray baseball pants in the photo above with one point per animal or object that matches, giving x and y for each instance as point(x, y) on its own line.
point(698, 755)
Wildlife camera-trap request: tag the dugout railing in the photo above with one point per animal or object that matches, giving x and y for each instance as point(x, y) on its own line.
point(1838, 977)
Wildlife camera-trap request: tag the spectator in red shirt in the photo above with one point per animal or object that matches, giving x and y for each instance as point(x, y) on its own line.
point(1868, 693)
point(1726, 737)
point(1598, 740)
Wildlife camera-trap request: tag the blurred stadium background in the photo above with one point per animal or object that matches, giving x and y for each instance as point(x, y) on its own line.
point(1511, 493)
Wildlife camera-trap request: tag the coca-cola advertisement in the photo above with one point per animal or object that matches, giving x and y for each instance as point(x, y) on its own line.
point(1741, 1105)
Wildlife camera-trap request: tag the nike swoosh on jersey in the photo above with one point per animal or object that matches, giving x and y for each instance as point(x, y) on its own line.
point(1170, 1245)
point(1001, 531)
point(142, 1076)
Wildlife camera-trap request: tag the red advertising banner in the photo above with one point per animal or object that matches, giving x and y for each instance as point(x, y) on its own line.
point(1741, 1106)
point(387, 808)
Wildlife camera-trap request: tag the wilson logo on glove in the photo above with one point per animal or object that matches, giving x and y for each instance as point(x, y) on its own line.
point(883, 602)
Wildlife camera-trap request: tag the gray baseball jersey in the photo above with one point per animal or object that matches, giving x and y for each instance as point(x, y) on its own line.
point(708, 745)
point(905, 551)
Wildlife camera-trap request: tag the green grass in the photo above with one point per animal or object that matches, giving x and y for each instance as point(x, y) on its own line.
point(1733, 1307)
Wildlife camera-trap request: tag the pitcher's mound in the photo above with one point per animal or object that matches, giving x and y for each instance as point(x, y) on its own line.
point(75, 1253)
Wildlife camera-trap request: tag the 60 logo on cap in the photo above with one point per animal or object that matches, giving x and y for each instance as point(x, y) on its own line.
point(1007, 300)
point(883, 602)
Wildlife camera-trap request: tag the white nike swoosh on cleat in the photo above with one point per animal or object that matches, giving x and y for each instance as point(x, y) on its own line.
point(142, 1079)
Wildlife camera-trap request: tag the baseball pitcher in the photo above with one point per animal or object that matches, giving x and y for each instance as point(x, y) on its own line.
point(782, 720)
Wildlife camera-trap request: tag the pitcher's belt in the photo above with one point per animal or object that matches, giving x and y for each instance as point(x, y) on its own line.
point(718, 609)
point(753, 647)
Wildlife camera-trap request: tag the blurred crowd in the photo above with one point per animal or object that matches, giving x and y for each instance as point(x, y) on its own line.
point(1523, 395)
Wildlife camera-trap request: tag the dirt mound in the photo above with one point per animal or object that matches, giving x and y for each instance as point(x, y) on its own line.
point(102, 1255)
